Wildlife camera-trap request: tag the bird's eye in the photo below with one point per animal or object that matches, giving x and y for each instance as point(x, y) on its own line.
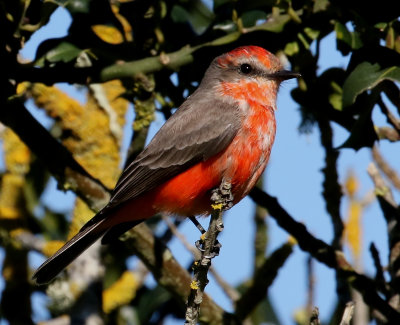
point(246, 68)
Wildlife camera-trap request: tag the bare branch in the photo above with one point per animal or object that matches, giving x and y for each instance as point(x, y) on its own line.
point(262, 279)
point(326, 254)
point(220, 199)
point(168, 273)
point(388, 133)
point(314, 319)
point(231, 292)
point(383, 165)
point(389, 115)
point(60, 162)
point(347, 314)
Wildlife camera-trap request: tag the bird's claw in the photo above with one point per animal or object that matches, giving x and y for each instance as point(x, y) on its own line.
point(214, 250)
point(199, 245)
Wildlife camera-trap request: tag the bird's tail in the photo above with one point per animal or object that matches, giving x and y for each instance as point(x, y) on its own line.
point(71, 250)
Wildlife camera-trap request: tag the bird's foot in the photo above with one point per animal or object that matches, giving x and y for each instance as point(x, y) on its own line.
point(214, 250)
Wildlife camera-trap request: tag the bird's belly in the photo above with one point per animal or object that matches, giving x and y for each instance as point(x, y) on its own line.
point(241, 164)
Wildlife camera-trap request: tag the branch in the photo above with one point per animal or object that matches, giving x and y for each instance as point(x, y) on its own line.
point(70, 74)
point(391, 213)
point(263, 278)
point(391, 119)
point(210, 249)
point(326, 255)
point(347, 314)
point(63, 166)
point(59, 161)
point(169, 274)
point(388, 133)
point(383, 165)
point(231, 292)
point(314, 319)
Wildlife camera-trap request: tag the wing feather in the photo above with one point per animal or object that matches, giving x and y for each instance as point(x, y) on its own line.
point(194, 133)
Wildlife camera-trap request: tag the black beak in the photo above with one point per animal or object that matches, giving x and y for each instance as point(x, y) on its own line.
point(285, 75)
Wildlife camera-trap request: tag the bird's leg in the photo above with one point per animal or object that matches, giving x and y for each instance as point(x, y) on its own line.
point(197, 224)
point(198, 243)
point(221, 199)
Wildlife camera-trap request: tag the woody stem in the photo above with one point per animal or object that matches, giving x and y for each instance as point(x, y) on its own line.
point(220, 200)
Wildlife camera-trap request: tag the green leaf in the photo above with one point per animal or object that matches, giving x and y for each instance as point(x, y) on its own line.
point(194, 12)
point(311, 33)
point(64, 52)
point(365, 77)
point(352, 39)
point(275, 22)
point(291, 48)
point(250, 18)
point(320, 5)
point(336, 97)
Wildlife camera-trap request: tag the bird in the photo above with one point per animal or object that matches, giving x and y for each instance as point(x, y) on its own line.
point(223, 132)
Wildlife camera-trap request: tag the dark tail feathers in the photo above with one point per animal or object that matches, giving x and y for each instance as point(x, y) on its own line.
point(71, 250)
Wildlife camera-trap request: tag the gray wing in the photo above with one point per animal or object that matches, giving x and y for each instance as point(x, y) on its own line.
point(194, 133)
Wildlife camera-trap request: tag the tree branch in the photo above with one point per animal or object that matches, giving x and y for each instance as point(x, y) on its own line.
point(63, 166)
point(60, 162)
point(326, 254)
point(169, 274)
point(219, 202)
point(263, 278)
point(383, 165)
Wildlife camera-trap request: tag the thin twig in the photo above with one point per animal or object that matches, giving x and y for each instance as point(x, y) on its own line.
point(389, 115)
point(381, 188)
point(220, 201)
point(383, 165)
point(379, 276)
point(314, 318)
point(167, 271)
point(231, 292)
point(310, 287)
point(262, 279)
point(348, 313)
point(388, 133)
point(327, 255)
point(391, 213)
point(195, 252)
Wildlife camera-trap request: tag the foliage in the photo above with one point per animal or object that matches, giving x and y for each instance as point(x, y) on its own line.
point(126, 51)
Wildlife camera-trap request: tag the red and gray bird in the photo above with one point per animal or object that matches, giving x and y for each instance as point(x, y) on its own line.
point(223, 132)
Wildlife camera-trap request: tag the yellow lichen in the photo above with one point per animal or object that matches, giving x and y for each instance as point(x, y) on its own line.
point(13, 206)
point(292, 241)
point(217, 206)
point(354, 228)
point(16, 153)
point(194, 285)
point(351, 184)
point(121, 292)
point(17, 160)
point(88, 132)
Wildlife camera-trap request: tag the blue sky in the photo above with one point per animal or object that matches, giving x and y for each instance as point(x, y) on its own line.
point(293, 175)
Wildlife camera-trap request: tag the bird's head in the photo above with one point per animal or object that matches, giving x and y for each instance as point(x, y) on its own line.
point(248, 73)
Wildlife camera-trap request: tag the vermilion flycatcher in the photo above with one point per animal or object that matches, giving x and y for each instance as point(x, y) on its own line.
point(223, 132)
